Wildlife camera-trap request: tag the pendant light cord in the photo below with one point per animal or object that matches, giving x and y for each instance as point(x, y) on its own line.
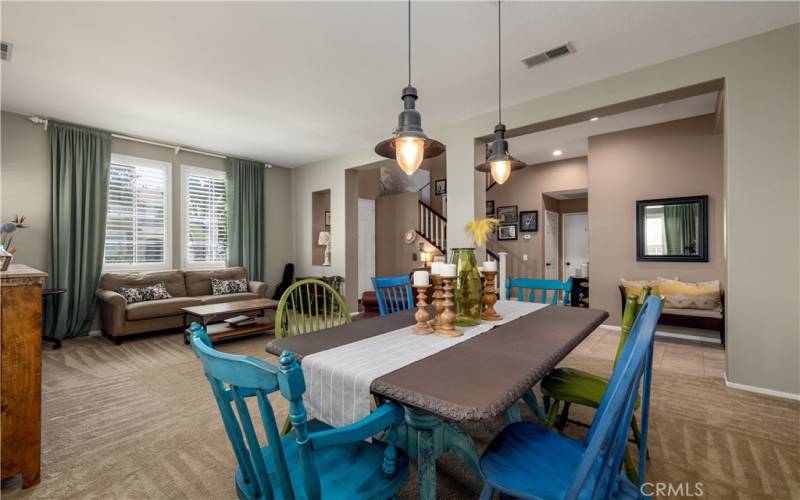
point(409, 43)
point(499, 70)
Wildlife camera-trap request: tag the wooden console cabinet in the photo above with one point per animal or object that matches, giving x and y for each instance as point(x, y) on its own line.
point(21, 372)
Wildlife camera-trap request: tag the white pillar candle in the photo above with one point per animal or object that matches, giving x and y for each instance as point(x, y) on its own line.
point(436, 268)
point(449, 270)
point(421, 278)
point(490, 266)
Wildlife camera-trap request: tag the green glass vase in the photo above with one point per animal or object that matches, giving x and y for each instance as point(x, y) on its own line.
point(467, 287)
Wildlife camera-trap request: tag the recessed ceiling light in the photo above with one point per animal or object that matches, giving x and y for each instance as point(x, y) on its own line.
point(557, 152)
point(594, 118)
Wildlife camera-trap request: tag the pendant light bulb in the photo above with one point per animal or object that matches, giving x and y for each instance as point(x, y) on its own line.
point(410, 153)
point(501, 170)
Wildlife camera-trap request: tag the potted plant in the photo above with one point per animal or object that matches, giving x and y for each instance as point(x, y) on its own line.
point(7, 233)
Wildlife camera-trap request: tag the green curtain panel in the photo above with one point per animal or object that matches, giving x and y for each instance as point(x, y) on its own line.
point(680, 222)
point(80, 160)
point(245, 181)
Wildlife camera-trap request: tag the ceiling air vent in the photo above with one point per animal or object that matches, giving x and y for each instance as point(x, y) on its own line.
point(549, 55)
point(5, 50)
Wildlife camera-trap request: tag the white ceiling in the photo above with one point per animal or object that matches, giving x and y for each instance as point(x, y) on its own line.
point(573, 140)
point(292, 83)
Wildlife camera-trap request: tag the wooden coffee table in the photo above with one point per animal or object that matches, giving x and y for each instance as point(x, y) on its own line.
point(217, 312)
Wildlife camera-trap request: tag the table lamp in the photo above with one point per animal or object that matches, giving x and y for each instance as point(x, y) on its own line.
point(325, 240)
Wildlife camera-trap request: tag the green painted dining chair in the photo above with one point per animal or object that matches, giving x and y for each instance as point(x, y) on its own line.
point(307, 306)
point(570, 386)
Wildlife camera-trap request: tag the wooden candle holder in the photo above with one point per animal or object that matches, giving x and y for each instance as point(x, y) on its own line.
point(438, 302)
point(422, 327)
point(446, 326)
point(489, 297)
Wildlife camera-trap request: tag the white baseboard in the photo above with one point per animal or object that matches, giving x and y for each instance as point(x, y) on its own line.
point(674, 335)
point(761, 390)
point(95, 333)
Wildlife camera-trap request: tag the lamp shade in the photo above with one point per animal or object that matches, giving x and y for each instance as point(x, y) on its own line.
point(499, 162)
point(324, 238)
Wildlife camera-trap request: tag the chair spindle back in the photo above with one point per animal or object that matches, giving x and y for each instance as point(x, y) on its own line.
point(307, 306)
point(557, 290)
point(393, 294)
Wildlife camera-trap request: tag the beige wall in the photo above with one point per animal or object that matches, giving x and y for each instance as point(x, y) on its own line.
point(525, 190)
point(25, 179)
point(761, 179)
point(679, 158)
point(369, 187)
point(394, 215)
point(438, 169)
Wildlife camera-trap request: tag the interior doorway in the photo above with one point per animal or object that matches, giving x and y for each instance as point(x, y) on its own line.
point(551, 253)
point(366, 244)
point(575, 243)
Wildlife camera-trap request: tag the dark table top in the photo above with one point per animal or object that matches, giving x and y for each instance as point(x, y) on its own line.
point(476, 379)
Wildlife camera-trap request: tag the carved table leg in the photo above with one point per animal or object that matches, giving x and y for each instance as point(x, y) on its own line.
point(426, 437)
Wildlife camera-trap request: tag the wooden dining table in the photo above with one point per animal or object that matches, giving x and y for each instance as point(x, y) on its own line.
point(475, 380)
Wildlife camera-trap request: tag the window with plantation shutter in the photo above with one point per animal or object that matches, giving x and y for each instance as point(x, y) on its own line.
point(205, 230)
point(137, 223)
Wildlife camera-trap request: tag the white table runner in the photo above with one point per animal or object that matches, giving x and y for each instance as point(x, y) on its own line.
point(338, 380)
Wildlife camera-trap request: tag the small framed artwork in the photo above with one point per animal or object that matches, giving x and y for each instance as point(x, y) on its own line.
point(327, 218)
point(440, 187)
point(490, 208)
point(507, 232)
point(529, 221)
point(507, 215)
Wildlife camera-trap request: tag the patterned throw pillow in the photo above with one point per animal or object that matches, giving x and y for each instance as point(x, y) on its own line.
point(682, 295)
point(635, 287)
point(153, 292)
point(131, 295)
point(224, 287)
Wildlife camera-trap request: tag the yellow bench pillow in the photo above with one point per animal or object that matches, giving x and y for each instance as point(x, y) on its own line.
point(683, 295)
point(635, 286)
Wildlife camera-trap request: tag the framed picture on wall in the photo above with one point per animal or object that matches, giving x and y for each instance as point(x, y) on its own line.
point(440, 187)
point(507, 215)
point(529, 221)
point(507, 232)
point(327, 218)
point(490, 208)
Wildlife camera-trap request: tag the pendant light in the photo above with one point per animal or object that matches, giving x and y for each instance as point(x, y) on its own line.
point(499, 162)
point(409, 145)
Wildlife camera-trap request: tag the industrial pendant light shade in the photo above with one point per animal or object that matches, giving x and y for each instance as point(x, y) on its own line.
point(498, 161)
point(409, 145)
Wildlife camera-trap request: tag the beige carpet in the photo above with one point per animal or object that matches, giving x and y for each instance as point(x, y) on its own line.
point(138, 421)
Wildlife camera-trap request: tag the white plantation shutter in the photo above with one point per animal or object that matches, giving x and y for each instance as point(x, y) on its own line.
point(206, 230)
point(137, 233)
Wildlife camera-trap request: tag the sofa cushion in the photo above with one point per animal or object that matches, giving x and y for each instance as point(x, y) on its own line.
point(159, 308)
point(199, 282)
point(173, 281)
point(230, 297)
point(227, 287)
point(698, 313)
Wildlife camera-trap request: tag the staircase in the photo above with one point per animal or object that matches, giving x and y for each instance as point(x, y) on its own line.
point(432, 226)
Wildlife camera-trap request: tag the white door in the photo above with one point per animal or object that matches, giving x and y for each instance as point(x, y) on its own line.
point(576, 242)
point(550, 245)
point(366, 244)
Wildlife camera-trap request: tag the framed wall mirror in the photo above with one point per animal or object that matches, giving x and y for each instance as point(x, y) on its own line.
point(672, 229)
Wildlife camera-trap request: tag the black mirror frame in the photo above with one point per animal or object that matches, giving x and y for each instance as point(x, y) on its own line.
point(702, 255)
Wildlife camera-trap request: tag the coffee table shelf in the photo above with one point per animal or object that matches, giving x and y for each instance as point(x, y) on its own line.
point(210, 316)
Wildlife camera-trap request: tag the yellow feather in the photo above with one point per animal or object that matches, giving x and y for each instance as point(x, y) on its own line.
point(479, 229)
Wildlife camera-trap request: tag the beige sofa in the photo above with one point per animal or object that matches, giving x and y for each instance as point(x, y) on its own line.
point(188, 288)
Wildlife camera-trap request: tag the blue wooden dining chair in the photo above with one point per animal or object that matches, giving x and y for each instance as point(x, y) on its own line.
point(527, 460)
point(393, 293)
point(531, 285)
point(312, 462)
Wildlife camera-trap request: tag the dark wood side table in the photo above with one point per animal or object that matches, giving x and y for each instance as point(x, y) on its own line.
point(53, 294)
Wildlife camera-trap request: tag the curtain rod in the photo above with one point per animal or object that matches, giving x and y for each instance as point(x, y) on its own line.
point(177, 149)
